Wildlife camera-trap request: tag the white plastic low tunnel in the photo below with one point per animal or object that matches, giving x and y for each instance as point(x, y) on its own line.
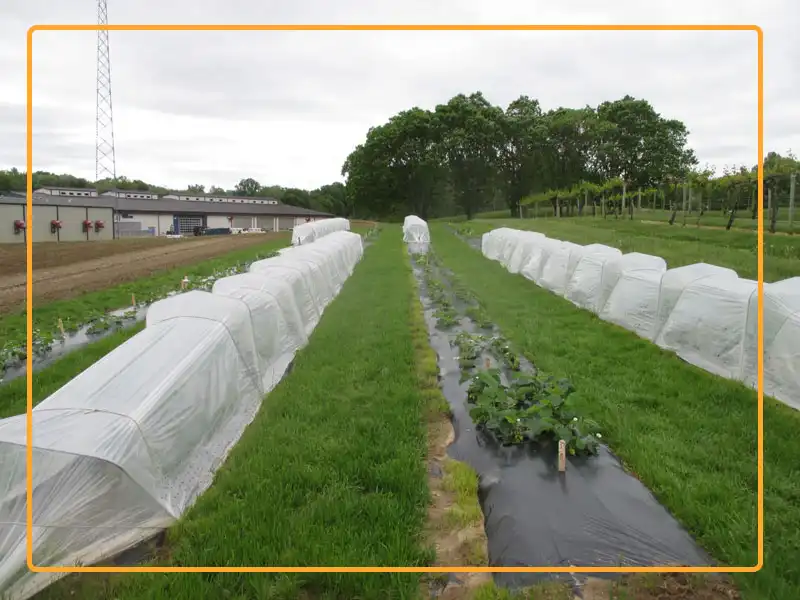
point(706, 314)
point(124, 448)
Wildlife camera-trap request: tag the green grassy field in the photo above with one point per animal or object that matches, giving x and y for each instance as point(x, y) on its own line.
point(677, 245)
point(688, 435)
point(743, 219)
point(711, 219)
point(331, 472)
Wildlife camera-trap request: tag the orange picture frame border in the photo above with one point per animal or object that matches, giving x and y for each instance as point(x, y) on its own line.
point(366, 569)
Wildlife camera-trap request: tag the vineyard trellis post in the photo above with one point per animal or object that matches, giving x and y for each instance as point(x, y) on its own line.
point(770, 214)
point(792, 184)
point(624, 189)
point(686, 191)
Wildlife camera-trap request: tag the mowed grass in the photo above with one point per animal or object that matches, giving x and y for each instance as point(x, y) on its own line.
point(715, 218)
point(711, 219)
point(13, 398)
point(689, 436)
point(679, 246)
point(331, 471)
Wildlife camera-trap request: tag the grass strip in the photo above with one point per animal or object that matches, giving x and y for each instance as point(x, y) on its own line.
point(677, 245)
point(51, 378)
point(743, 220)
point(331, 471)
point(688, 435)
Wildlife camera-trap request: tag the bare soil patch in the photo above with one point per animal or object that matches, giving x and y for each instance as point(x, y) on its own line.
point(47, 255)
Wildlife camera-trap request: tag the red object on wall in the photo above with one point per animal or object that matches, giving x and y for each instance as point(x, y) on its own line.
point(19, 226)
point(55, 225)
point(98, 225)
point(87, 225)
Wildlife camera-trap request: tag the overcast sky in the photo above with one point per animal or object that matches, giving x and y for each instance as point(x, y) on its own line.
point(287, 108)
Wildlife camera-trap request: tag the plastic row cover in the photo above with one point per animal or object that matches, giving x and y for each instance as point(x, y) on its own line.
point(706, 314)
point(127, 446)
point(309, 232)
point(415, 230)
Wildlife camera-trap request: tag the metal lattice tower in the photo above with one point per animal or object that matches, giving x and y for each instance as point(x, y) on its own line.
point(105, 158)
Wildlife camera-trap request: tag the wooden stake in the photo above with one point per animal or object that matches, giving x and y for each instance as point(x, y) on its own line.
point(133, 300)
point(61, 327)
point(488, 363)
point(562, 456)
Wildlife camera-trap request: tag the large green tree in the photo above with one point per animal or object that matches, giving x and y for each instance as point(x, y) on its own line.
point(467, 153)
point(247, 187)
point(471, 136)
point(639, 145)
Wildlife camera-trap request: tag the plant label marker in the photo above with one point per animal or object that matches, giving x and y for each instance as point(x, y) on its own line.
point(184, 281)
point(133, 300)
point(61, 327)
point(488, 363)
point(562, 456)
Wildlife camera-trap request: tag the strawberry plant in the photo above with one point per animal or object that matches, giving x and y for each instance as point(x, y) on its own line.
point(530, 409)
point(446, 317)
point(501, 347)
point(470, 347)
point(99, 325)
point(464, 230)
point(421, 259)
point(479, 316)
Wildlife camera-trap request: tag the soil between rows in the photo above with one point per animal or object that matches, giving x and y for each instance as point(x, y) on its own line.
point(109, 264)
point(47, 255)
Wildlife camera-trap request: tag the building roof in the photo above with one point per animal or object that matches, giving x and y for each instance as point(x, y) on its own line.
point(168, 206)
point(47, 199)
point(65, 189)
point(222, 195)
point(121, 191)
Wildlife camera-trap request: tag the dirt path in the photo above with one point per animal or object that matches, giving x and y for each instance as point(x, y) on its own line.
point(71, 280)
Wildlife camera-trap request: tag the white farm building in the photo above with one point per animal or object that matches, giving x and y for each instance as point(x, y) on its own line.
point(139, 213)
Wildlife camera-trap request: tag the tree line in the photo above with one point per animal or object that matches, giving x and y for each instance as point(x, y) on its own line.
point(327, 198)
point(467, 155)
